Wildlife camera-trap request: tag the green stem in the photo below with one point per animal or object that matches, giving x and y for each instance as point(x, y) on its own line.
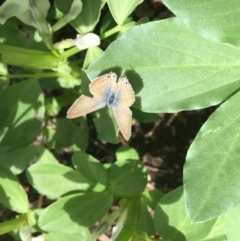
point(110, 32)
point(10, 225)
point(70, 52)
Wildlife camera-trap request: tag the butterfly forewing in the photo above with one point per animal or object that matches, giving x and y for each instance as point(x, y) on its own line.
point(104, 85)
point(123, 117)
point(84, 105)
point(126, 93)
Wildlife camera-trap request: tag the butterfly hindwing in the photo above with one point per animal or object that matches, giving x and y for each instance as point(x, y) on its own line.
point(123, 118)
point(125, 92)
point(84, 105)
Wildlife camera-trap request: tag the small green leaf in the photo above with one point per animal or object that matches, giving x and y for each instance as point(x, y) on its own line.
point(89, 17)
point(12, 194)
point(19, 105)
point(132, 182)
point(126, 152)
point(145, 117)
point(17, 159)
point(89, 167)
point(71, 211)
point(152, 197)
point(145, 222)
point(93, 53)
point(54, 180)
point(106, 126)
point(70, 133)
point(121, 9)
point(211, 172)
point(75, 10)
point(172, 223)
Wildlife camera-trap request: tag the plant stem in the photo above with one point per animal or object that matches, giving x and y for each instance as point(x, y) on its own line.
point(110, 32)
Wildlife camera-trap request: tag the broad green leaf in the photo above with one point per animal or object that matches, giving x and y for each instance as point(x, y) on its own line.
point(83, 234)
point(211, 172)
point(126, 152)
point(11, 8)
point(71, 211)
point(12, 194)
point(17, 159)
point(121, 9)
point(171, 220)
point(127, 177)
point(54, 180)
point(19, 105)
point(89, 17)
point(172, 68)
point(232, 224)
point(70, 133)
point(218, 21)
point(89, 167)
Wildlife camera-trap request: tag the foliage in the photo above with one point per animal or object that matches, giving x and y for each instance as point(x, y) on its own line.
point(187, 62)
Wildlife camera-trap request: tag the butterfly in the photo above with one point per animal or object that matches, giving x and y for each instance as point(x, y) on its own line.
point(107, 91)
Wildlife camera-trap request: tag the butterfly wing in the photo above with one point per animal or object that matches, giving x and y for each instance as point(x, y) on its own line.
point(126, 95)
point(84, 105)
point(104, 85)
point(123, 117)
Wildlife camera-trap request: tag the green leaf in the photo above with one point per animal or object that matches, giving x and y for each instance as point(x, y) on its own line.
point(232, 221)
point(145, 117)
point(106, 126)
point(18, 159)
point(218, 21)
point(12, 194)
point(54, 180)
point(83, 234)
point(11, 8)
point(152, 197)
point(75, 10)
point(132, 182)
point(70, 133)
point(145, 222)
point(93, 53)
point(71, 211)
point(86, 21)
point(211, 172)
point(89, 167)
point(126, 152)
point(172, 68)
point(121, 9)
point(8, 226)
point(24, 57)
point(172, 223)
point(19, 105)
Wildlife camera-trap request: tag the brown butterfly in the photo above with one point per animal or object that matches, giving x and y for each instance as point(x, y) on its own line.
point(107, 91)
